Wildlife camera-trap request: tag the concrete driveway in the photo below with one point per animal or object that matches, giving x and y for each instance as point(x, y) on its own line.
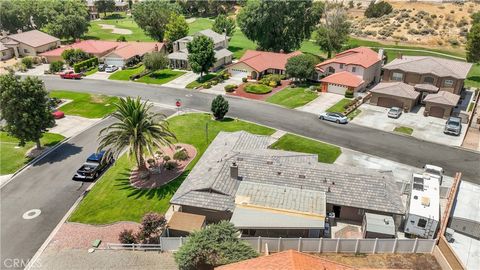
point(100, 75)
point(36, 70)
point(219, 89)
point(322, 103)
point(182, 81)
point(425, 128)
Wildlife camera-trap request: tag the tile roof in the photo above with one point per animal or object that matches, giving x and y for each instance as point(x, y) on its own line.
point(431, 65)
point(186, 222)
point(88, 46)
point(286, 260)
point(344, 78)
point(127, 50)
point(183, 54)
point(260, 60)
point(361, 56)
point(2, 47)
point(443, 97)
point(210, 185)
point(34, 38)
point(398, 89)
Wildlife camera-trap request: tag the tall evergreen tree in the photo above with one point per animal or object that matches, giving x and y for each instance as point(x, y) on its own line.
point(224, 24)
point(153, 16)
point(473, 44)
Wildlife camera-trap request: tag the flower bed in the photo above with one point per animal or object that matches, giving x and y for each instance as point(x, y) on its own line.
point(257, 88)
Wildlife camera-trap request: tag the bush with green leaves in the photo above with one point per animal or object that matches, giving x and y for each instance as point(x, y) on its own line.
point(85, 65)
point(181, 155)
point(215, 245)
point(151, 228)
point(219, 107)
point(376, 10)
point(275, 78)
point(28, 62)
point(349, 93)
point(207, 85)
point(155, 61)
point(244, 79)
point(301, 66)
point(72, 56)
point(121, 39)
point(230, 88)
point(170, 165)
point(56, 66)
point(127, 237)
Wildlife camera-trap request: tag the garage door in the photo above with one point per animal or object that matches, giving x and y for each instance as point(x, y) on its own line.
point(337, 89)
point(114, 61)
point(437, 112)
point(389, 102)
point(239, 73)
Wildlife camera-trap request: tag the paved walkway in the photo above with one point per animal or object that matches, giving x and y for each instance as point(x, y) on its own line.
point(322, 103)
point(71, 125)
point(182, 81)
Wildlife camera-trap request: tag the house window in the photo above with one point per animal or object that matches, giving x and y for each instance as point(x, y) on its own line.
point(448, 83)
point(341, 66)
point(331, 70)
point(25, 50)
point(428, 80)
point(3, 54)
point(396, 76)
point(354, 69)
point(422, 223)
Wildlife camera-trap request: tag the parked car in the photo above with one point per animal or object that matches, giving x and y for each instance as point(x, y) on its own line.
point(111, 68)
point(394, 112)
point(453, 126)
point(102, 67)
point(334, 117)
point(70, 74)
point(57, 114)
point(93, 167)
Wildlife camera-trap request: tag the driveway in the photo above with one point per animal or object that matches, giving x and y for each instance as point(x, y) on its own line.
point(425, 128)
point(100, 75)
point(182, 81)
point(321, 104)
point(219, 89)
point(36, 70)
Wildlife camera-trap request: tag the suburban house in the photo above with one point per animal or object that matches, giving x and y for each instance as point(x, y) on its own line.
point(179, 56)
point(254, 64)
point(287, 260)
point(438, 84)
point(110, 52)
point(260, 190)
point(353, 69)
point(29, 43)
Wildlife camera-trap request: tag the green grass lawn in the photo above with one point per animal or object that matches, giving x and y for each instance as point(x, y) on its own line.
point(199, 24)
point(339, 106)
point(256, 88)
point(327, 153)
point(124, 75)
point(161, 76)
point(392, 54)
point(198, 82)
point(86, 105)
point(90, 72)
point(404, 130)
point(293, 97)
point(113, 199)
point(473, 77)
point(239, 43)
point(13, 157)
point(96, 32)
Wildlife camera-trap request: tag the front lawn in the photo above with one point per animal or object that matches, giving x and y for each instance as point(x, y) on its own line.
point(86, 105)
point(339, 107)
point(12, 156)
point(327, 153)
point(239, 43)
point(161, 76)
point(404, 130)
point(293, 97)
point(256, 88)
point(198, 82)
point(113, 199)
point(124, 75)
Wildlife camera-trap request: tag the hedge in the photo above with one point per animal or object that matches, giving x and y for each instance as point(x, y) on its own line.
point(84, 65)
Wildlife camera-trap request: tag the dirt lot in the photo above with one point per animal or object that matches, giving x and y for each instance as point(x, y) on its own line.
point(386, 261)
point(438, 24)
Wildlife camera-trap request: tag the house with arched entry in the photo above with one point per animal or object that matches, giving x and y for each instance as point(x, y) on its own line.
point(255, 64)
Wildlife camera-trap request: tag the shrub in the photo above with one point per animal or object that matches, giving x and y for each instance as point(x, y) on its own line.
point(349, 93)
point(219, 107)
point(139, 75)
point(151, 227)
point(72, 56)
point(166, 158)
point(127, 237)
point(181, 155)
point(207, 85)
point(170, 165)
point(378, 10)
point(155, 61)
point(121, 39)
point(272, 84)
point(244, 79)
point(225, 76)
point(230, 88)
point(84, 65)
point(214, 82)
point(28, 62)
point(56, 66)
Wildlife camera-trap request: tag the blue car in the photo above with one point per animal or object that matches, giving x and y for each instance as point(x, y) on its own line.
point(334, 117)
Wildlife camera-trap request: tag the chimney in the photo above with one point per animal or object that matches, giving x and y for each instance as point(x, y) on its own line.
point(234, 171)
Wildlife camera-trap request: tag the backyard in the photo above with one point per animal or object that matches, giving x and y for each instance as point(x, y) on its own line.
point(293, 97)
point(13, 156)
point(161, 76)
point(85, 105)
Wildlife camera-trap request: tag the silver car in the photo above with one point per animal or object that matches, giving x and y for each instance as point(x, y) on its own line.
point(394, 112)
point(334, 117)
point(453, 126)
point(111, 68)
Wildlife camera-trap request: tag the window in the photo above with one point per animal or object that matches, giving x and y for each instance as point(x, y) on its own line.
point(25, 50)
point(341, 65)
point(354, 69)
point(448, 83)
point(428, 80)
point(3, 54)
point(331, 70)
point(397, 76)
point(422, 223)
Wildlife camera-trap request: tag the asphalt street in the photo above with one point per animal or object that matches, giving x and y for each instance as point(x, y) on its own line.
point(403, 149)
point(48, 186)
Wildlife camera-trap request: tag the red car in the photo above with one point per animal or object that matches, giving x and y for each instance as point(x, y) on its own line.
point(58, 114)
point(71, 75)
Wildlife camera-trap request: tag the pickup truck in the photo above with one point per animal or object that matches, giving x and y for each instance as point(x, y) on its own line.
point(93, 167)
point(71, 75)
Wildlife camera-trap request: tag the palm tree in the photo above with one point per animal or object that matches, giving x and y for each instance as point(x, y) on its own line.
point(138, 130)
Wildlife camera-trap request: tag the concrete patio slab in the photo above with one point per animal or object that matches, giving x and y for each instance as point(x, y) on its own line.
point(322, 103)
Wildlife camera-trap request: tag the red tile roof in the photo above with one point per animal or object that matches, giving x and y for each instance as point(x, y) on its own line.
point(127, 50)
point(88, 46)
point(286, 260)
point(260, 60)
point(344, 78)
point(361, 56)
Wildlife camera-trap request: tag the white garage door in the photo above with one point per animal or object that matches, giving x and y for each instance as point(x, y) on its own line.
point(337, 89)
point(114, 61)
point(239, 73)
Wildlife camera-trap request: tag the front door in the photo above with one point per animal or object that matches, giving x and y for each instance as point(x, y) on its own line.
point(337, 209)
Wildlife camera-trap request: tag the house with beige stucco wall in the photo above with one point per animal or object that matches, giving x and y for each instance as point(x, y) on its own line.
point(30, 43)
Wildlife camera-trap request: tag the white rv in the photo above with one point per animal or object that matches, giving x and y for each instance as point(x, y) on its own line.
point(423, 216)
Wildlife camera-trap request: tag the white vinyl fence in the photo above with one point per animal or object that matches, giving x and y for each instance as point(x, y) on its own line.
point(261, 244)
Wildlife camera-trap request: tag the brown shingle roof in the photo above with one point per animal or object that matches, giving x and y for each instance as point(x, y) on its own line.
point(34, 38)
point(186, 222)
point(443, 97)
point(398, 89)
point(431, 65)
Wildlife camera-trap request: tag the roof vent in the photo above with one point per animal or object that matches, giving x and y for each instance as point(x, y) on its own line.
point(240, 158)
point(269, 162)
point(328, 189)
point(324, 180)
point(333, 183)
point(386, 221)
point(301, 176)
point(415, 197)
point(279, 173)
